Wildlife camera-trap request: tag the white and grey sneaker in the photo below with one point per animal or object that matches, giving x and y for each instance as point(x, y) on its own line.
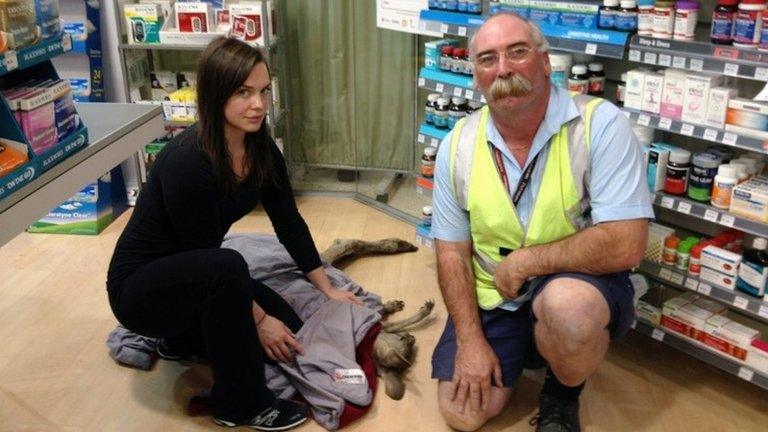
point(282, 416)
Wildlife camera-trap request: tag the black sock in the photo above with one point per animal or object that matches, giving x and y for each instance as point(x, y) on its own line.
point(553, 387)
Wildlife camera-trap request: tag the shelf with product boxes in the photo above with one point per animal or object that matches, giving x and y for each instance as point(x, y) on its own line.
point(678, 278)
point(39, 124)
point(700, 57)
point(755, 372)
point(430, 135)
point(31, 55)
point(450, 84)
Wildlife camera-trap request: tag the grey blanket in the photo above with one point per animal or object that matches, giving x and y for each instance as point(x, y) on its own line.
point(327, 376)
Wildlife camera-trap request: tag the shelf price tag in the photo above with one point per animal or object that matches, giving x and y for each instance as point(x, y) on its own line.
point(746, 373)
point(665, 60)
point(684, 207)
point(687, 129)
point(634, 55)
point(667, 202)
point(677, 278)
point(665, 274)
point(710, 135)
point(705, 289)
point(692, 284)
point(697, 65)
point(443, 28)
point(761, 74)
point(469, 94)
point(462, 31)
point(649, 58)
point(421, 138)
point(439, 87)
point(591, 49)
point(727, 220)
point(422, 82)
point(731, 69)
point(643, 120)
point(711, 215)
point(11, 61)
point(678, 62)
point(763, 312)
point(730, 138)
point(434, 142)
point(665, 123)
point(658, 335)
point(740, 302)
point(457, 91)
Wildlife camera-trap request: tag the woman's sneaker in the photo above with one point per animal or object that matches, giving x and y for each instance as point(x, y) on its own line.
point(282, 416)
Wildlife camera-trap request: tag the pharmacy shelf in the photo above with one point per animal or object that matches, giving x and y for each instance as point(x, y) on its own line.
point(715, 135)
point(178, 47)
point(430, 135)
point(424, 236)
point(703, 353)
point(700, 56)
point(710, 213)
point(603, 43)
point(178, 123)
point(115, 131)
point(424, 186)
point(450, 83)
point(670, 275)
point(30, 56)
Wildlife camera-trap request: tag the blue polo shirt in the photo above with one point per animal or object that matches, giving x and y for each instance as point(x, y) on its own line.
point(618, 188)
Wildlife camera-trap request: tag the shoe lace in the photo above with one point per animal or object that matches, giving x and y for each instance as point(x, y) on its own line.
point(553, 415)
point(268, 418)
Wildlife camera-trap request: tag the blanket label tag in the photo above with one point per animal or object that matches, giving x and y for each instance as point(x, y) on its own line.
point(349, 376)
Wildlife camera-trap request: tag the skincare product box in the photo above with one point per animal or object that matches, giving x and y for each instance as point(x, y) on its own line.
point(697, 87)
point(672, 96)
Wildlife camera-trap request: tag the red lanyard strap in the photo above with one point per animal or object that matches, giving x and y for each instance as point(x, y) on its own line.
point(525, 179)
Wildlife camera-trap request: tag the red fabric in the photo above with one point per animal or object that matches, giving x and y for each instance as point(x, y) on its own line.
point(364, 357)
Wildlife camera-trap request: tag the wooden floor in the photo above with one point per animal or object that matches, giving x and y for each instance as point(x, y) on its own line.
point(55, 374)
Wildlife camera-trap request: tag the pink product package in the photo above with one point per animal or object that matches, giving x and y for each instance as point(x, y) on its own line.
point(13, 97)
point(38, 120)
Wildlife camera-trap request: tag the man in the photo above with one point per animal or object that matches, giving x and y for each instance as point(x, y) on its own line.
point(521, 266)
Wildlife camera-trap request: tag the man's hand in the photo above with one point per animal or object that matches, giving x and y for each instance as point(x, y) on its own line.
point(475, 366)
point(277, 339)
point(511, 274)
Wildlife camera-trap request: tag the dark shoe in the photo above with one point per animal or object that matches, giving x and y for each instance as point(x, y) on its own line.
point(167, 351)
point(282, 416)
point(556, 415)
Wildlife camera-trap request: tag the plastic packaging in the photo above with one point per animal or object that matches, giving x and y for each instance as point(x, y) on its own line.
point(561, 67)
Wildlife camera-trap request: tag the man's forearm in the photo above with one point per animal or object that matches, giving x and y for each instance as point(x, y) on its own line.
point(601, 249)
point(457, 283)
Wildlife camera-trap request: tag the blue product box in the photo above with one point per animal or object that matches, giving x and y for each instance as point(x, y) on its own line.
point(578, 20)
point(47, 12)
point(89, 211)
point(432, 52)
point(545, 16)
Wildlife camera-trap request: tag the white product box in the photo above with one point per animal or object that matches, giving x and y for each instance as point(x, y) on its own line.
point(741, 130)
point(758, 356)
point(166, 7)
point(648, 312)
point(656, 235)
point(652, 90)
point(744, 104)
point(657, 167)
point(672, 97)
point(729, 336)
point(750, 200)
point(695, 315)
point(715, 277)
point(720, 260)
point(717, 106)
point(634, 89)
point(669, 311)
point(697, 87)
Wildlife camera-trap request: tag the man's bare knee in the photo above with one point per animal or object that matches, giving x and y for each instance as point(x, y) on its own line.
point(466, 421)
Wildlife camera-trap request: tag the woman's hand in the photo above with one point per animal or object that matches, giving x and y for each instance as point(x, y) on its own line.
point(277, 339)
point(343, 296)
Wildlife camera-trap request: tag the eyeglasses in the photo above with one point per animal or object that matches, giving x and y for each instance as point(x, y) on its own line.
point(515, 54)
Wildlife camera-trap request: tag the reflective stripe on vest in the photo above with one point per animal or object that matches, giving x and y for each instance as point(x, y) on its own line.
point(561, 206)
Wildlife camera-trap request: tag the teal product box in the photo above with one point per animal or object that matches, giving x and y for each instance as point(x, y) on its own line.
point(144, 22)
point(547, 16)
point(578, 20)
point(432, 52)
point(47, 12)
point(520, 7)
point(89, 211)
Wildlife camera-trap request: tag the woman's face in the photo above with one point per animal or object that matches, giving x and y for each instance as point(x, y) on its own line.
point(246, 108)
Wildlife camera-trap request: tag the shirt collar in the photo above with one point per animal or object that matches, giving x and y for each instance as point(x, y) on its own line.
point(560, 110)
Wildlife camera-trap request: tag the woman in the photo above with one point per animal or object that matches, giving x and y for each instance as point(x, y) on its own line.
point(169, 278)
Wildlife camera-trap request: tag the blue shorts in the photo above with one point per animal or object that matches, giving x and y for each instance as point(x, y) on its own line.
point(510, 334)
